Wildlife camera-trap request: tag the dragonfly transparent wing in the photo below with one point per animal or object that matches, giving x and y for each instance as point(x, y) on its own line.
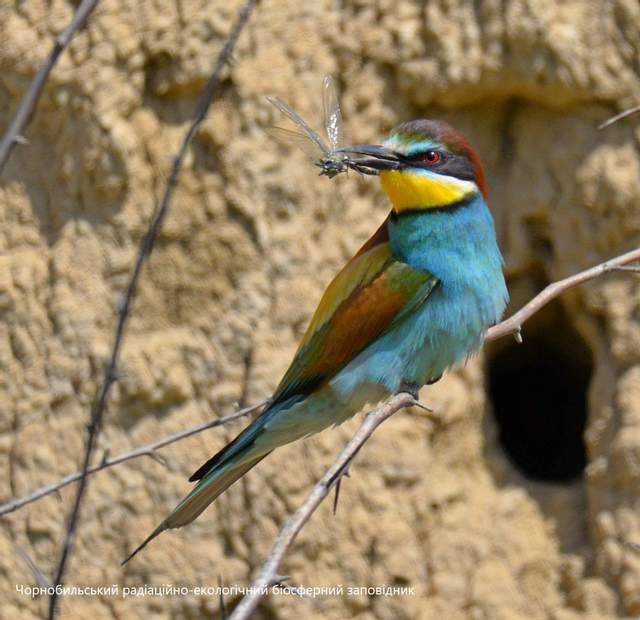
point(298, 139)
point(300, 122)
point(332, 114)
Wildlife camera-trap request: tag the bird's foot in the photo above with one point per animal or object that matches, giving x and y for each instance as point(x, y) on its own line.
point(408, 387)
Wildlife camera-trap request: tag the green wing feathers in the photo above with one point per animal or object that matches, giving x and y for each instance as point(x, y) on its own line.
point(368, 297)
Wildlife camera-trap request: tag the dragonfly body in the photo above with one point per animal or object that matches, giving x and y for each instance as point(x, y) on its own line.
point(413, 301)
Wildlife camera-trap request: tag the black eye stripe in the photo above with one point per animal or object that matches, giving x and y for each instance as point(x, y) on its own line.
point(450, 164)
point(419, 159)
point(416, 157)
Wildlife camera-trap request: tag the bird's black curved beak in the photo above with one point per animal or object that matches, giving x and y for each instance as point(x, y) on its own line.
point(382, 157)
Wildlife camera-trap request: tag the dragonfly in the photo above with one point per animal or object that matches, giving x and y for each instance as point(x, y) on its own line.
point(329, 156)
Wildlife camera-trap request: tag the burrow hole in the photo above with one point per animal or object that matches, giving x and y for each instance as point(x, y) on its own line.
point(538, 391)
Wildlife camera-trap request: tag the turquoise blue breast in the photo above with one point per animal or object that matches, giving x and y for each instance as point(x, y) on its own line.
point(459, 247)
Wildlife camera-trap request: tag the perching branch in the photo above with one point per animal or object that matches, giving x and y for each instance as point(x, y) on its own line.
point(146, 247)
point(514, 323)
point(292, 528)
point(146, 450)
point(29, 102)
point(373, 419)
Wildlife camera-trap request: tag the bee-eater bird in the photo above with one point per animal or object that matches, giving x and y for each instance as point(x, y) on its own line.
point(413, 301)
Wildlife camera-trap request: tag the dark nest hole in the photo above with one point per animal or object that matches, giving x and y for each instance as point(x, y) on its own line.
point(538, 391)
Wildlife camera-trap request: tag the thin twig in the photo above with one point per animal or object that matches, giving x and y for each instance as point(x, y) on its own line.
point(514, 323)
point(146, 450)
point(618, 117)
point(260, 585)
point(287, 535)
point(628, 268)
point(145, 249)
point(30, 99)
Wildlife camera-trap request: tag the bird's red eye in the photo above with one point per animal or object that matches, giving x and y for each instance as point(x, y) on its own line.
point(432, 157)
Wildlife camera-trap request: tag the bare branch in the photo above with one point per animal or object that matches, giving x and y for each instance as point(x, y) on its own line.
point(288, 534)
point(29, 102)
point(373, 419)
point(145, 250)
point(513, 324)
point(146, 450)
point(618, 117)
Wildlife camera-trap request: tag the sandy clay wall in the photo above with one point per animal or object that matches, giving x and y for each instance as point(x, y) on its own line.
point(502, 510)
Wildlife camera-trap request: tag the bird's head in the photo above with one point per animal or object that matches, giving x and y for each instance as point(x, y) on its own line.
point(425, 164)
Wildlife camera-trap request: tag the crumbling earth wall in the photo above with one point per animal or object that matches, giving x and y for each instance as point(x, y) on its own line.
point(252, 238)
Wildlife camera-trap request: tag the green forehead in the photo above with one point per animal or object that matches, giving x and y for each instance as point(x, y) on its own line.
point(410, 144)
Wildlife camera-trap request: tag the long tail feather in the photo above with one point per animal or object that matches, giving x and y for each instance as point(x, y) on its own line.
point(161, 528)
point(201, 496)
point(221, 471)
point(207, 490)
point(244, 440)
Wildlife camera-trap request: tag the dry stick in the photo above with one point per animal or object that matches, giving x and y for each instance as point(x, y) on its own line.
point(618, 117)
point(287, 535)
point(111, 373)
point(223, 609)
point(28, 104)
point(514, 323)
point(260, 585)
point(146, 450)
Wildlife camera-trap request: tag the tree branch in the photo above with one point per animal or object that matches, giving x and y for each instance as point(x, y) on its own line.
point(269, 570)
point(146, 450)
point(146, 247)
point(260, 585)
point(514, 323)
point(619, 117)
point(30, 100)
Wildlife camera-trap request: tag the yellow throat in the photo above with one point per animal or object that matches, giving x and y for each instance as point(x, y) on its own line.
point(417, 190)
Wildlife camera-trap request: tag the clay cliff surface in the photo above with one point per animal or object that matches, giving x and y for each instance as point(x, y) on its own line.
point(252, 238)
